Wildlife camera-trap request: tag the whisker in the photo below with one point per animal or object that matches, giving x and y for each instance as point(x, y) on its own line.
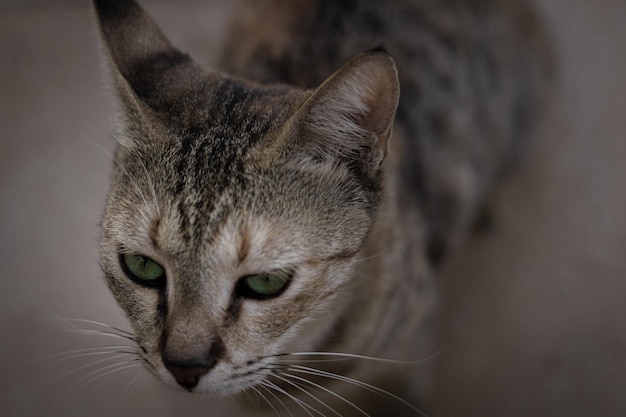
point(301, 403)
point(89, 349)
point(299, 387)
point(252, 401)
point(268, 390)
point(266, 400)
point(95, 351)
point(149, 178)
point(373, 256)
point(355, 356)
point(124, 170)
point(132, 381)
point(126, 390)
point(88, 365)
point(97, 323)
point(100, 373)
point(94, 376)
point(101, 333)
point(334, 394)
point(248, 370)
point(364, 385)
point(288, 361)
point(70, 322)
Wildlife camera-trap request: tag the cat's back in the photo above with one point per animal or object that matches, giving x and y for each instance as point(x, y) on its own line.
point(478, 66)
point(473, 77)
point(300, 42)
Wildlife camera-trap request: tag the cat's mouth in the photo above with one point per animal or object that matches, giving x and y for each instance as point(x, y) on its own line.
point(223, 379)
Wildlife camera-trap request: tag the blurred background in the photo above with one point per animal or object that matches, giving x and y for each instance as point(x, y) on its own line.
point(533, 313)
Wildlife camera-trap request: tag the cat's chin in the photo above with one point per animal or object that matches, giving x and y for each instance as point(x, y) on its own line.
point(212, 389)
point(212, 385)
point(224, 389)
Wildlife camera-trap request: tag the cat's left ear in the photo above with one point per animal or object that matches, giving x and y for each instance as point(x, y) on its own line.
point(350, 116)
point(150, 73)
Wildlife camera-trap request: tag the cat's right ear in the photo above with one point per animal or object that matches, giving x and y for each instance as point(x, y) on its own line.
point(146, 68)
point(350, 116)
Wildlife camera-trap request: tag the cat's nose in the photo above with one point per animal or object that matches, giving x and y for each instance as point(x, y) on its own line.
point(188, 372)
point(189, 354)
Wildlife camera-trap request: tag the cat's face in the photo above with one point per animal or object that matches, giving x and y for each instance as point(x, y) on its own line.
point(242, 269)
point(236, 211)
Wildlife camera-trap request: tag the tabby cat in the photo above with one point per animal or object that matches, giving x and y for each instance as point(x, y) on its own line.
point(297, 205)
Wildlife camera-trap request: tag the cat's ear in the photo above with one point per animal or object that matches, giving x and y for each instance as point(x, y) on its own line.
point(350, 116)
point(148, 70)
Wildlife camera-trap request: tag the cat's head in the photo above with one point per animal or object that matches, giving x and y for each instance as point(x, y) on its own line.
point(235, 211)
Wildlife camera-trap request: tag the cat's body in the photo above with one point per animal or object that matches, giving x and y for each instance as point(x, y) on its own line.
point(219, 179)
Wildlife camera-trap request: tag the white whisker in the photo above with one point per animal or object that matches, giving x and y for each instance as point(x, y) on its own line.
point(86, 321)
point(364, 385)
point(129, 385)
point(268, 390)
point(100, 333)
point(266, 400)
point(96, 375)
point(124, 170)
point(151, 184)
point(299, 387)
point(95, 351)
point(291, 361)
point(355, 356)
point(301, 403)
point(376, 255)
point(126, 390)
point(100, 373)
point(251, 400)
point(334, 394)
point(90, 364)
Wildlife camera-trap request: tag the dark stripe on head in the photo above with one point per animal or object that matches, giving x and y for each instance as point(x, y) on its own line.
point(161, 309)
point(213, 144)
point(154, 232)
point(233, 311)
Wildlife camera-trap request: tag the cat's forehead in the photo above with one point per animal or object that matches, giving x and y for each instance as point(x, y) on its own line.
point(200, 211)
point(194, 154)
point(223, 112)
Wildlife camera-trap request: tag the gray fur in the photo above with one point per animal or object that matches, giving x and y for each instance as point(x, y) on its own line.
point(218, 177)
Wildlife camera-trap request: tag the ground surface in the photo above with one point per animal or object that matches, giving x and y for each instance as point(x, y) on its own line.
point(534, 319)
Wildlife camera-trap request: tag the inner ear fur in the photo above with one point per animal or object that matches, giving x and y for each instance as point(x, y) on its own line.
point(350, 116)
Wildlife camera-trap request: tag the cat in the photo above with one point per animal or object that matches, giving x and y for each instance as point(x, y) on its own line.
point(293, 208)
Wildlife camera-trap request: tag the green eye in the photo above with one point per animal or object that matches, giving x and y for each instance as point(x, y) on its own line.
point(142, 270)
point(264, 286)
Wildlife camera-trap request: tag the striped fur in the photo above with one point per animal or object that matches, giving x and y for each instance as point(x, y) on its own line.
point(287, 162)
